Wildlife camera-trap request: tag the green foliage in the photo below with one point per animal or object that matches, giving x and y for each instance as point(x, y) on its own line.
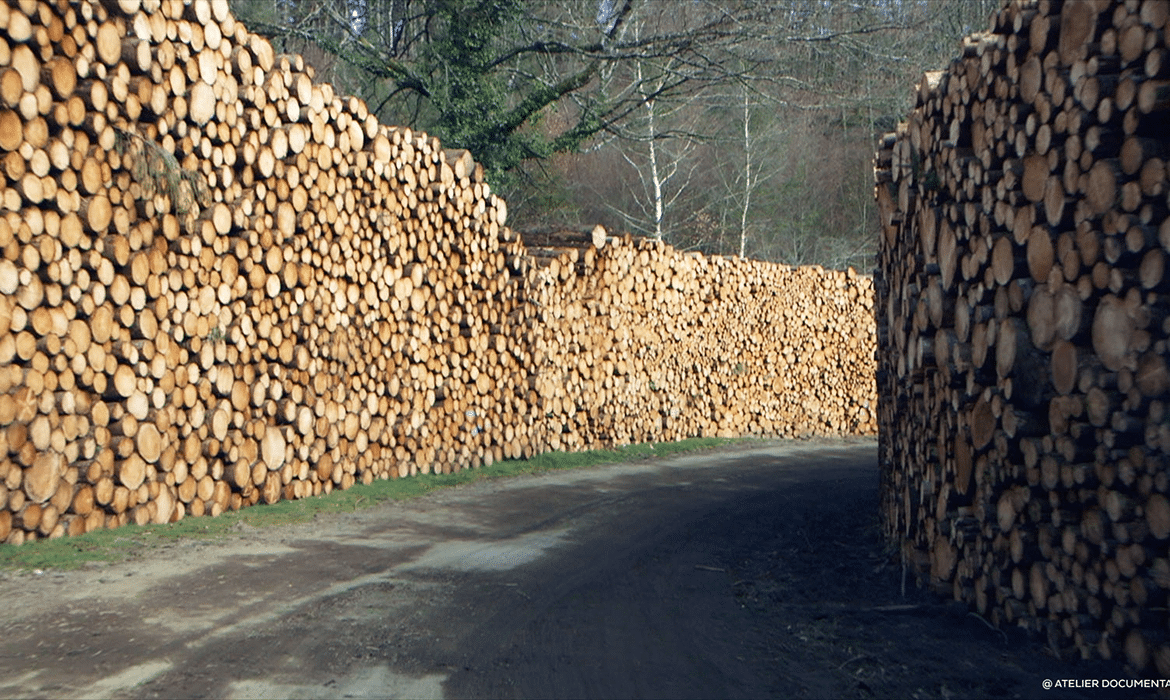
point(472, 97)
point(158, 172)
point(469, 77)
point(544, 194)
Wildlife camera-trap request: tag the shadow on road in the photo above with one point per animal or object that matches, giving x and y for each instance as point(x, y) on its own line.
point(751, 572)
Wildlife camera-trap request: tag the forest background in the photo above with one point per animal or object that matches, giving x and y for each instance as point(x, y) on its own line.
point(735, 127)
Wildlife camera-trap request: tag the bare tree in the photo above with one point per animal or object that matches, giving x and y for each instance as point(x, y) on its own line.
point(660, 158)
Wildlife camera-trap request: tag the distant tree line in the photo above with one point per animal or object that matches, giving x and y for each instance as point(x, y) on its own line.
point(728, 126)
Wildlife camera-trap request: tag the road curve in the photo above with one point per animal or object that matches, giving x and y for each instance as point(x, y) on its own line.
point(750, 572)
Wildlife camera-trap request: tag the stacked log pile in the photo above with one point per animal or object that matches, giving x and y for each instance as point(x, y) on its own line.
point(1023, 324)
point(223, 284)
point(637, 342)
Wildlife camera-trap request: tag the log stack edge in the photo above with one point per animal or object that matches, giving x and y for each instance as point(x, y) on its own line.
point(223, 284)
point(1023, 325)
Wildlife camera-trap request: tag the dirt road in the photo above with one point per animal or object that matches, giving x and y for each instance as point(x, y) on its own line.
point(751, 572)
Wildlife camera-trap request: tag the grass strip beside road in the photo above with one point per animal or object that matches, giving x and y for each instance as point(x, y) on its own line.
point(131, 541)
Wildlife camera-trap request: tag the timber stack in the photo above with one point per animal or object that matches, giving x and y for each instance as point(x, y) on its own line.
point(223, 284)
point(636, 341)
point(1023, 325)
